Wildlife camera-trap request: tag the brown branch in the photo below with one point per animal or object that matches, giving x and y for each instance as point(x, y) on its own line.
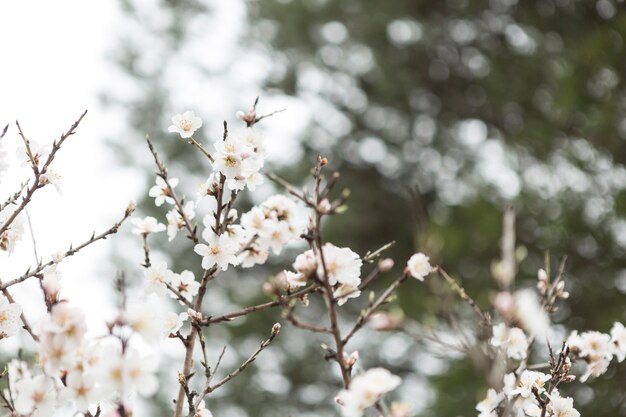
point(39, 172)
point(367, 313)
point(71, 251)
point(485, 319)
point(210, 388)
point(13, 198)
point(251, 309)
point(162, 172)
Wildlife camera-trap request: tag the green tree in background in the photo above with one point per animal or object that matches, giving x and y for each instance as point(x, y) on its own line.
point(439, 115)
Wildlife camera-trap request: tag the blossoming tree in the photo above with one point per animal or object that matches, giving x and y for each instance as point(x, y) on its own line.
point(76, 372)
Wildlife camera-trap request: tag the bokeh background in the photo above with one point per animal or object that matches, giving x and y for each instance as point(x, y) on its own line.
point(439, 115)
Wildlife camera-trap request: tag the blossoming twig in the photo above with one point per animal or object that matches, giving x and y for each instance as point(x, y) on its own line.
point(38, 172)
point(485, 319)
point(162, 172)
point(71, 251)
point(210, 388)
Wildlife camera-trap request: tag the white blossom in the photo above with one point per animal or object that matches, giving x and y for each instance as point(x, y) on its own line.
point(51, 177)
point(157, 276)
point(81, 389)
point(562, 406)
point(220, 250)
point(14, 231)
point(529, 380)
point(345, 292)
point(342, 265)
point(146, 317)
point(162, 192)
point(173, 322)
point(185, 124)
point(202, 411)
point(419, 266)
point(10, 321)
point(146, 225)
point(186, 284)
point(365, 390)
point(530, 314)
point(239, 158)
point(512, 340)
point(36, 396)
point(176, 222)
point(618, 338)
point(487, 406)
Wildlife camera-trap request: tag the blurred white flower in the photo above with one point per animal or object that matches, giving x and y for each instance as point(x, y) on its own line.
point(9, 317)
point(80, 388)
point(173, 322)
point(365, 390)
point(344, 292)
point(490, 403)
point(419, 266)
point(157, 276)
point(618, 338)
point(146, 225)
point(530, 314)
point(14, 231)
point(562, 406)
point(36, 397)
point(201, 410)
point(512, 340)
point(529, 380)
point(146, 317)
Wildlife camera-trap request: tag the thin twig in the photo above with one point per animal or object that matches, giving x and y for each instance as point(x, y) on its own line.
point(210, 388)
point(71, 251)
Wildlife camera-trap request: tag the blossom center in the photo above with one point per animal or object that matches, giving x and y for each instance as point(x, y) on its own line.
point(185, 125)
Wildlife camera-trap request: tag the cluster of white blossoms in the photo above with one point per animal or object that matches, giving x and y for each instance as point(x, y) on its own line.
point(519, 395)
point(340, 266)
point(82, 372)
point(239, 158)
point(511, 340)
point(598, 349)
point(365, 390)
point(271, 225)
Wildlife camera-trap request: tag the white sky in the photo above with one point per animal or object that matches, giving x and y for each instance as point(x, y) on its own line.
point(51, 69)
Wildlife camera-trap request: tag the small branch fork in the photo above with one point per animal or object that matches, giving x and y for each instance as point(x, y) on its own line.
point(178, 202)
point(37, 171)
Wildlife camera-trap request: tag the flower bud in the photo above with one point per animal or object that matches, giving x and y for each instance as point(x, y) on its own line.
point(385, 265)
point(193, 314)
point(275, 329)
point(130, 208)
point(505, 304)
point(324, 206)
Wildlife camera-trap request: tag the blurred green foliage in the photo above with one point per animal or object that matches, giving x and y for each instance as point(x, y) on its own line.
point(439, 115)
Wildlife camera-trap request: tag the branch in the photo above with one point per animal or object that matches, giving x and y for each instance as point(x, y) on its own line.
point(210, 388)
point(71, 251)
point(39, 172)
